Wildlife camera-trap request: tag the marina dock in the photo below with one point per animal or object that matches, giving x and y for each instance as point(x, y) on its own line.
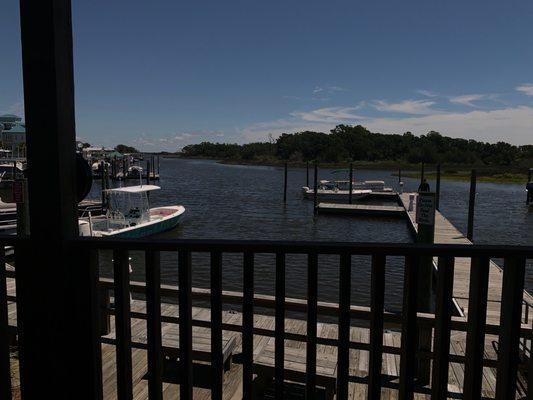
point(361, 210)
point(447, 233)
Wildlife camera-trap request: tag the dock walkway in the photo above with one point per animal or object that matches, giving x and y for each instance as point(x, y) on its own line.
point(447, 233)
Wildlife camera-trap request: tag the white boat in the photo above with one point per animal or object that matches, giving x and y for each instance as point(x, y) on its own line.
point(340, 190)
point(129, 215)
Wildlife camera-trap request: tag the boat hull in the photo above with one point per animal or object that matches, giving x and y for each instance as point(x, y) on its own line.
point(150, 230)
point(162, 219)
point(340, 195)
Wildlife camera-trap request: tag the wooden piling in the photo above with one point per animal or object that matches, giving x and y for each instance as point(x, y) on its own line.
point(422, 173)
point(285, 185)
point(437, 189)
point(147, 172)
point(399, 175)
point(158, 165)
point(350, 184)
point(315, 193)
point(471, 206)
point(529, 187)
point(307, 174)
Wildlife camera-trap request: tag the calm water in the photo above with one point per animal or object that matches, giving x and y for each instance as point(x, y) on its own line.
point(245, 202)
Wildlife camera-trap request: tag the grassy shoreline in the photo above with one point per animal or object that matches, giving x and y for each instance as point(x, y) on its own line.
point(450, 172)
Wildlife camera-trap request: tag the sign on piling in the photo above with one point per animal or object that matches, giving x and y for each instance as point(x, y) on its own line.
point(425, 208)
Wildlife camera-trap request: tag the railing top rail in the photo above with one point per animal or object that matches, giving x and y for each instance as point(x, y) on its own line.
point(305, 247)
point(297, 247)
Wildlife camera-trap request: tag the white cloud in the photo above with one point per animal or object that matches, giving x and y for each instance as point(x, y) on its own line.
point(329, 114)
point(469, 99)
point(417, 107)
point(427, 93)
point(512, 124)
point(526, 88)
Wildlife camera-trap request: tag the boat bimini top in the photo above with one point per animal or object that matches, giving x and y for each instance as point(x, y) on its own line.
point(134, 189)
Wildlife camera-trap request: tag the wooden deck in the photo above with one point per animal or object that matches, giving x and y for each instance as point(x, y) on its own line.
point(361, 210)
point(447, 233)
point(263, 349)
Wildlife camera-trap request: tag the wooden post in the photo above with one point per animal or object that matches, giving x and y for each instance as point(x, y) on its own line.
point(529, 187)
point(350, 185)
point(471, 206)
point(422, 173)
point(307, 174)
point(147, 172)
point(23, 210)
point(106, 176)
point(52, 330)
point(158, 165)
point(426, 235)
point(399, 175)
point(285, 185)
point(437, 189)
point(102, 184)
point(315, 193)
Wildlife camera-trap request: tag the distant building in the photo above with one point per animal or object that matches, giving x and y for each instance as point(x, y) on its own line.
point(13, 134)
point(100, 153)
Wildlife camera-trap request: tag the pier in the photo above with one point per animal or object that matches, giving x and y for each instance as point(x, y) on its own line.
point(447, 233)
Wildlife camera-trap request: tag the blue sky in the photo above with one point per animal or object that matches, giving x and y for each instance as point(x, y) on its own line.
point(162, 74)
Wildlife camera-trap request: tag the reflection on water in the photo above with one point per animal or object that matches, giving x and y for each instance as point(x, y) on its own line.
point(245, 202)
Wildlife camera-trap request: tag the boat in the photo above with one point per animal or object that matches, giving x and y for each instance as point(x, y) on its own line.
point(129, 215)
point(340, 189)
point(134, 172)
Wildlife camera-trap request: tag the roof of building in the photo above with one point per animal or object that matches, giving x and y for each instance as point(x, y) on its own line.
point(10, 118)
point(17, 128)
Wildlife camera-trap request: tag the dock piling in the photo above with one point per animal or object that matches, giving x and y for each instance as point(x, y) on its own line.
point(350, 184)
point(307, 174)
point(422, 173)
point(529, 187)
point(471, 206)
point(437, 189)
point(399, 175)
point(315, 192)
point(285, 185)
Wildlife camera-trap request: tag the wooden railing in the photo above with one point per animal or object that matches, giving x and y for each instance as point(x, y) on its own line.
point(409, 320)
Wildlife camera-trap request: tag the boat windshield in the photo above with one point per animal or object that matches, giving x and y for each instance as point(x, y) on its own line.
point(130, 206)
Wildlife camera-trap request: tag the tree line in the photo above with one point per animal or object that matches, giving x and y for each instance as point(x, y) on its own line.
point(347, 143)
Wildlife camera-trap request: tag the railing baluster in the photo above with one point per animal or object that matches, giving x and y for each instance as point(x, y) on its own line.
point(185, 328)
point(122, 324)
point(377, 298)
point(153, 324)
point(312, 311)
point(217, 363)
point(5, 363)
point(280, 325)
point(510, 320)
point(343, 351)
point(248, 325)
point(441, 340)
point(409, 329)
point(475, 336)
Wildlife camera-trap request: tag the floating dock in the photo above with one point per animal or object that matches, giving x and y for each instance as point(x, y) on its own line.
point(361, 210)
